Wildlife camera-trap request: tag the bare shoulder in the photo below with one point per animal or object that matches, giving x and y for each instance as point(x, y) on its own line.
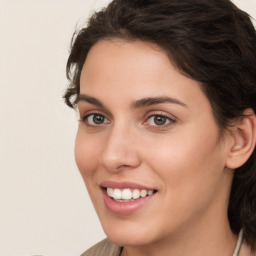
point(103, 248)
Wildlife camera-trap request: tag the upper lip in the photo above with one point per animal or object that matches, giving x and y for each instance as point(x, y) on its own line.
point(124, 184)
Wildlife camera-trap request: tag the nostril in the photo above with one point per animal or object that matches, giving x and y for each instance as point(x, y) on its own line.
point(124, 166)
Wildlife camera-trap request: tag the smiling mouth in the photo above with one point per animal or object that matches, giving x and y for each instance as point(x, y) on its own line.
point(127, 194)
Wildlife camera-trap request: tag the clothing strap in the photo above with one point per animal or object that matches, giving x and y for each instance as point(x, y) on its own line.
point(239, 243)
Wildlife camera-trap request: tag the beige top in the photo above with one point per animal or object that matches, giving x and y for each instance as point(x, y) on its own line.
point(104, 248)
point(107, 248)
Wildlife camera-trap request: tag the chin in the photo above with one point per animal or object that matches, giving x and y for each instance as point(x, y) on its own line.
point(126, 238)
point(128, 233)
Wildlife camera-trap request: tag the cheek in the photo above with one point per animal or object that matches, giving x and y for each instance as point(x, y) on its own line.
point(185, 161)
point(87, 152)
point(86, 155)
point(191, 173)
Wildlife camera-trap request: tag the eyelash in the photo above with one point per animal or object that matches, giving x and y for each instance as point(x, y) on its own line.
point(90, 122)
point(165, 118)
point(168, 121)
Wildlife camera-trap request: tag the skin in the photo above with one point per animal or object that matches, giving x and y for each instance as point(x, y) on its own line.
point(184, 159)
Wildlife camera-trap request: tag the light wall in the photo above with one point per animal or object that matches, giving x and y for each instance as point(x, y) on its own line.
point(44, 207)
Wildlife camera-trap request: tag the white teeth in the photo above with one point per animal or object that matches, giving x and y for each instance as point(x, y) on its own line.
point(150, 192)
point(122, 200)
point(110, 192)
point(125, 195)
point(143, 193)
point(136, 194)
point(117, 193)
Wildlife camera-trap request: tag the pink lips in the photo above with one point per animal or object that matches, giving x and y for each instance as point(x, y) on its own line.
point(125, 208)
point(122, 185)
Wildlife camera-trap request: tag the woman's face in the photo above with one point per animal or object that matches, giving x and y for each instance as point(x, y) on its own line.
point(147, 146)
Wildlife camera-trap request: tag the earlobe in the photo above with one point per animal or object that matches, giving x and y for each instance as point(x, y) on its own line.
point(244, 140)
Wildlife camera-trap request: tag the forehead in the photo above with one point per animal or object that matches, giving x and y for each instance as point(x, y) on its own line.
point(124, 56)
point(131, 60)
point(118, 69)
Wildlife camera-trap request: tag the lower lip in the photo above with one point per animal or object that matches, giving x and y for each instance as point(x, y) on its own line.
point(125, 208)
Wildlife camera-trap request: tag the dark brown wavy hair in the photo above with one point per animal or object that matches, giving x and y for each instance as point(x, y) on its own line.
point(210, 41)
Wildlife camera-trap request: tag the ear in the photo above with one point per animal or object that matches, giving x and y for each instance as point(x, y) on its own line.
point(243, 140)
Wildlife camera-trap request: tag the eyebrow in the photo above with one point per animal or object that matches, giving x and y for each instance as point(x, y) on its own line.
point(89, 99)
point(149, 101)
point(145, 102)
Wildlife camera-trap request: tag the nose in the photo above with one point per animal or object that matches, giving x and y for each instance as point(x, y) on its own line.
point(121, 151)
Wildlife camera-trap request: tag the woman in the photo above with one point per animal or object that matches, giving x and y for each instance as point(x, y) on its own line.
point(166, 142)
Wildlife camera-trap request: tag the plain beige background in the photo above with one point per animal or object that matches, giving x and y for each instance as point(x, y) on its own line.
point(44, 207)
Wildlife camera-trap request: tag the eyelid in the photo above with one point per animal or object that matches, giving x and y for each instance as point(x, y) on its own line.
point(85, 108)
point(166, 119)
point(160, 113)
point(91, 113)
point(83, 113)
point(168, 116)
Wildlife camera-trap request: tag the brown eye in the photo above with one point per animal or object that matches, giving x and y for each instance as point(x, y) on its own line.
point(95, 119)
point(98, 119)
point(159, 120)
